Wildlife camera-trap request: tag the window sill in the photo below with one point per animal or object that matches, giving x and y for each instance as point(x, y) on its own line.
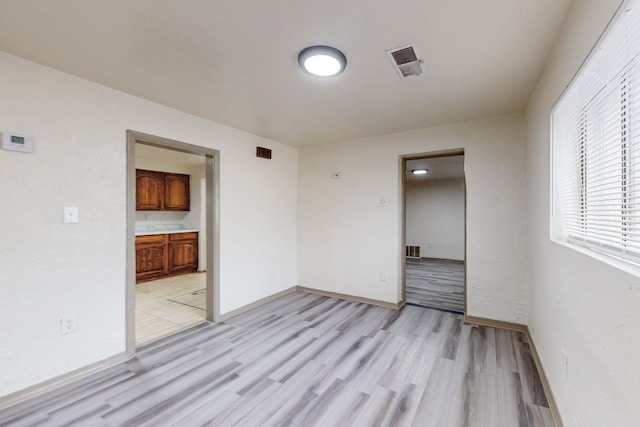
point(611, 260)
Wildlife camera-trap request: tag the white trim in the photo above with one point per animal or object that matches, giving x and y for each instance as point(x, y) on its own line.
point(59, 381)
point(233, 313)
point(212, 237)
point(611, 260)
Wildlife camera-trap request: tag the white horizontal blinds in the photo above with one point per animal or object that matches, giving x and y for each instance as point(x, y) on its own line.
point(596, 145)
point(633, 165)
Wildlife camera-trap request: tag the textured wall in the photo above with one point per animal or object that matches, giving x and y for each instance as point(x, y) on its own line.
point(48, 269)
point(579, 304)
point(345, 239)
point(435, 217)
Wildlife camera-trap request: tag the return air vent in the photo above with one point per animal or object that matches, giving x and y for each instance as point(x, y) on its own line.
point(412, 251)
point(265, 153)
point(406, 61)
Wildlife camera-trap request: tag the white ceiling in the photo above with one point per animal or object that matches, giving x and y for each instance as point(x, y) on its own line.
point(166, 155)
point(235, 62)
point(449, 167)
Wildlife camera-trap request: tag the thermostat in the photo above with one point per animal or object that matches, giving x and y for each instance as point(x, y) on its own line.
point(16, 142)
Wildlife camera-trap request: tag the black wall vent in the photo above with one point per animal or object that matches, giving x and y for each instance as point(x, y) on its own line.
point(265, 153)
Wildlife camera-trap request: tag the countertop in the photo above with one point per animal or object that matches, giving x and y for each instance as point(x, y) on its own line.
point(148, 230)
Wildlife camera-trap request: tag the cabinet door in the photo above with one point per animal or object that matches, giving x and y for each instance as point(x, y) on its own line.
point(151, 256)
point(150, 189)
point(176, 192)
point(183, 252)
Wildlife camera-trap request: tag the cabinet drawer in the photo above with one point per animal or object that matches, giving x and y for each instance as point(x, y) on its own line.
point(183, 236)
point(154, 238)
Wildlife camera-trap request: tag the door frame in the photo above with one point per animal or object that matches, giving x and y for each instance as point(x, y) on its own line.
point(403, 217)
point(212, 236)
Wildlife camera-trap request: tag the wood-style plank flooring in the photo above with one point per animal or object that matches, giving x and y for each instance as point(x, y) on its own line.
point(437, 283)
point(309, 360)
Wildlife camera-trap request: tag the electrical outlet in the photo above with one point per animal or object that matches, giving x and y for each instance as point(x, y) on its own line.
point(383, 276)
point(383, 203)
point(68, 324)
point(565, 365)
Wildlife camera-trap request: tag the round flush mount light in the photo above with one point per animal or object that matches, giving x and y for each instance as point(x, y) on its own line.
point(323, 61)
point(419, 171)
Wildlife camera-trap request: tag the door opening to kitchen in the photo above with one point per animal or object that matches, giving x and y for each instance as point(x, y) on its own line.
point(435, 232)
point(172, 223)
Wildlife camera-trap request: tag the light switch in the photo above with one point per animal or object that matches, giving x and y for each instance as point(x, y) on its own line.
point(70, 215)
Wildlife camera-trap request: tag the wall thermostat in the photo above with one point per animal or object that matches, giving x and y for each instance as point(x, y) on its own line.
point(16, 142)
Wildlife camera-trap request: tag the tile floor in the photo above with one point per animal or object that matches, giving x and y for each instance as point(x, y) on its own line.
point(157, 315)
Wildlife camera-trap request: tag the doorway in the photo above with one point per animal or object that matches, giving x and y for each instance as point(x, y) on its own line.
point(434, 241)
point(183, 241)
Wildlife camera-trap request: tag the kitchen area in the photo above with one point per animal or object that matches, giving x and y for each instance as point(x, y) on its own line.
point(170, 241)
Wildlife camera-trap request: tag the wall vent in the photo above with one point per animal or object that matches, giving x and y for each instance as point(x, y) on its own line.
point(265, 153)
point(406, 60)
point(412, 251)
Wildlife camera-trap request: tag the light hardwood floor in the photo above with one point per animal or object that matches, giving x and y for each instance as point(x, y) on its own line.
point(436, 283)
point(310, 360)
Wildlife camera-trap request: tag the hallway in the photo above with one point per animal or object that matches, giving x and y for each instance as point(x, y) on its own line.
point(436, 283)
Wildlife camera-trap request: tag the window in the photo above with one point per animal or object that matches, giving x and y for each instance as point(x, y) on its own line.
point(596, 146)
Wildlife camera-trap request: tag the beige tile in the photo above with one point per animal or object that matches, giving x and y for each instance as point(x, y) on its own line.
point(156, 316)
point(195, 299)
point(145, 287)
point(158, 307)
point(144, 318)
point(159, 334)
point(142, 297)
point(196, 283)
point(185, 314)
point(151, 324)
point(167, 290)
point(193, 322)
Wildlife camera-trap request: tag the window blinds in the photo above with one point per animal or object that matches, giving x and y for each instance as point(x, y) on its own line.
point(596, 145)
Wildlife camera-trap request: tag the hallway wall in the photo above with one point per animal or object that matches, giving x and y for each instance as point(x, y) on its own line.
point(435, 217)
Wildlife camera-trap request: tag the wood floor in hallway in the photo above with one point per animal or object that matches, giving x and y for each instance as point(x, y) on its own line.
point(436, 283)
point(310, 360)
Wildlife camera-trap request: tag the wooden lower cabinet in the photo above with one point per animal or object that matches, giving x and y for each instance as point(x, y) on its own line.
point(151, 257)
point(183, 252)
point(164, 255)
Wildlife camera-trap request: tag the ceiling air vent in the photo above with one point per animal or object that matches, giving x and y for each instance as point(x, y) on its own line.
point(406, 61)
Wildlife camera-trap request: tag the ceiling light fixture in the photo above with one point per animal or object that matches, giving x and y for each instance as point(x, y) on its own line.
point(419, 171)
point(323, 61)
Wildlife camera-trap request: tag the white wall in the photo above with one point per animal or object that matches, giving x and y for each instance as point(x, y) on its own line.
point(48, 269)
point(578, 304)
point(435, 217)
point(345, 240)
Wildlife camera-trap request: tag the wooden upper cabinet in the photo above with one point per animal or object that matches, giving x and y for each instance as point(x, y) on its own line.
point(176, 192)
point(162, 191)
point(149, 190)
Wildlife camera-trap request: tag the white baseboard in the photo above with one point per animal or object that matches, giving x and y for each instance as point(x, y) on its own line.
point(256, 304)
point(353, 298)
point(534, 353)
point(53, 383)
